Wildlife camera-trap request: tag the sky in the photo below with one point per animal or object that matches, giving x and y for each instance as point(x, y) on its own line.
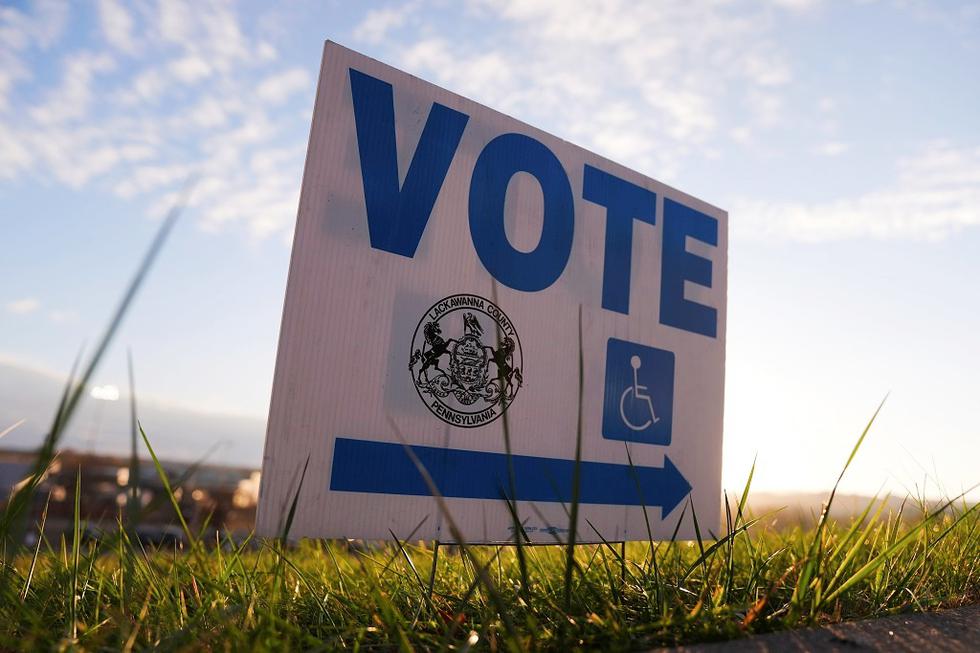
point(841, 137)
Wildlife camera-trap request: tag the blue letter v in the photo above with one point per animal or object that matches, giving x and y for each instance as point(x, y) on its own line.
point(397, 217)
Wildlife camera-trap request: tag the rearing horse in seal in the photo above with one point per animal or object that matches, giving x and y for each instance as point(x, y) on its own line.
point(437, 347)
point(506, 373)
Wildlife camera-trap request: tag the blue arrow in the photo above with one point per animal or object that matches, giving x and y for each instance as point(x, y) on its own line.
point(385, 467)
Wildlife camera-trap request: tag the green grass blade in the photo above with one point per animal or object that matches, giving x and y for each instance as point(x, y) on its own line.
point(76, 550)
point(133, 483)
point(519, 535)
point(706, 554)
point(745, 491)
point(814, 553)
point(13, 427)
point(37, 549)
point(576, 474)
point(876, 562)
point(165, 480)
point(291, 515)
point(857, 547)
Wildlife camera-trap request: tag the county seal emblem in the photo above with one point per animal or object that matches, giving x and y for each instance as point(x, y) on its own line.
point(466, 361)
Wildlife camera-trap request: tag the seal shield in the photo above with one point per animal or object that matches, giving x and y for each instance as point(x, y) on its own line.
point(466, 361)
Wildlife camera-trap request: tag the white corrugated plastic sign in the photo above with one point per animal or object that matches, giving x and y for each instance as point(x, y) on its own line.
point(452, 269)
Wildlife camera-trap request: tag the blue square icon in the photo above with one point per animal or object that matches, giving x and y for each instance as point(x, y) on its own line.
point(638, 405)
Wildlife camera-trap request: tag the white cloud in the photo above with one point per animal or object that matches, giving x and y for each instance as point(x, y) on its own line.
point(277, 88)
point(766, 71)
point(266, 52)
point(832, 148)
point(573, 72)
point(176, 21)
point(827, 104)
point(73, 97)
point(379, 22)
point(62, 315)
point(741, 134)
point(190, 69)
point(796, 5)
point(76, 154)
point(649, 85)
point(682, 69)
point(15, 156)
point(210, 29)
point(766, 107)
point(935, 193)
point(117, 25)
point(147, 178)
point(212, 112)
point(23, 306)
point(41, 27)
point(21, 32)
point(141, 129)
point(688, 114)
point(146, 86)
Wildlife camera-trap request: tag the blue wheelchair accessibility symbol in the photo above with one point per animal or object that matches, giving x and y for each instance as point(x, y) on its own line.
point(638, 404)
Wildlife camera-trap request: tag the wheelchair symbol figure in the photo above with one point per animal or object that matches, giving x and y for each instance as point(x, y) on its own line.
point(639, 395)
point(638, 407)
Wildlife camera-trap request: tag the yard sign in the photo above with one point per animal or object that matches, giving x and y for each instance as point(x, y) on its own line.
point(446, 260)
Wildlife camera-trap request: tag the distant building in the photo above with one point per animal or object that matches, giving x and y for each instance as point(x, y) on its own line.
point(222, 498)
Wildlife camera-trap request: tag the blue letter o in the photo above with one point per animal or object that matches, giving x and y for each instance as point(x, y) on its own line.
point(501, 159)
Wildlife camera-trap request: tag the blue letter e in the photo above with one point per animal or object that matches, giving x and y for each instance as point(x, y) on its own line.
point(397, 217)
point(678, 265)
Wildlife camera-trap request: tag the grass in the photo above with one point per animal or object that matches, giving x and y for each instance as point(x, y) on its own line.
point(113, 593)
point(262, 595)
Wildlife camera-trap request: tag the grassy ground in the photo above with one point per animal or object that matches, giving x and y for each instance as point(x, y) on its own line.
point(260, 595)
point(114, 594)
